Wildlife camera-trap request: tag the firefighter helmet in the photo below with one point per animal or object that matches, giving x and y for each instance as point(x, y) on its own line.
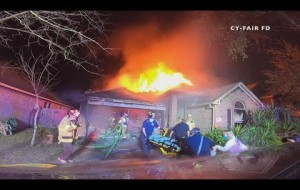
point(180, 119)
point(195, 130)
point(74, 112)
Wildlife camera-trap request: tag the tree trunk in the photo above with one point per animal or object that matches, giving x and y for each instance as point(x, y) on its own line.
point(37, 111)
point(34, 126)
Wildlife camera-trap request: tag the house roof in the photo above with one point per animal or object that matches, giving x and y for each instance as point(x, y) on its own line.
point(214, 96)
point(211, 96)
point(121, 97)
point(259, 89)
point(12, 79)
point(123, 94)
point(251, 86)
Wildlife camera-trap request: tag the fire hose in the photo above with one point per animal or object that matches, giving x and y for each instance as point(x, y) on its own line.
point(116, 132)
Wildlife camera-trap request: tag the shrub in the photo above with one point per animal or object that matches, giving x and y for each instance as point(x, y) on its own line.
point(238, 130)
point(11, 122)
point(45, 131)
point(284, 129)
point(216, 135)
point(262, 132)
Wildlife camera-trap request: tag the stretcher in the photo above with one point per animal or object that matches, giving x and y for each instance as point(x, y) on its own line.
point(167, 145)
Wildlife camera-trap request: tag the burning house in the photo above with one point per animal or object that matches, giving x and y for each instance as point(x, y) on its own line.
point(136, 97)
point(170, 95)
point(221, 107)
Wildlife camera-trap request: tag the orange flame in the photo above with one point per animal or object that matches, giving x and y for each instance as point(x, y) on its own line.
point(158, 80)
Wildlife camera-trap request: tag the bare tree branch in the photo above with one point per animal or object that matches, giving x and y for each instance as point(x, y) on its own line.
point(43, 39)
point(71, 35)
point(38, 69)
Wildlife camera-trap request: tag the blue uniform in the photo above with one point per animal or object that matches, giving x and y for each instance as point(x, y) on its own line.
point(149, 128)
point(200, 144)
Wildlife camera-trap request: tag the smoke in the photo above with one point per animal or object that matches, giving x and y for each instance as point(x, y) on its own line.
point(179, 45)
point(71, 96)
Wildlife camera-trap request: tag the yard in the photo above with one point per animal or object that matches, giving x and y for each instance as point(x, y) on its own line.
point(16, 149)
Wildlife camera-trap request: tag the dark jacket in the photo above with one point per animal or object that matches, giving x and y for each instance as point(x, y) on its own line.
point(200, 148)
point(180, 130)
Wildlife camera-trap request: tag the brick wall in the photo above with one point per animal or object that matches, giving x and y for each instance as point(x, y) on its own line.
point(228, 103)
point(202, 117)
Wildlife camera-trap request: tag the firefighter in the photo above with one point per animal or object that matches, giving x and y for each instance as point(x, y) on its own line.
point(190, 122)
point(112, 121)
point(123, 123)
point(67, 129)
point(147, 129)
point(181, 130)
point(179, 119)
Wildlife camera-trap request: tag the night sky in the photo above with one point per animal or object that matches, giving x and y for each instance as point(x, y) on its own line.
point(146, 37)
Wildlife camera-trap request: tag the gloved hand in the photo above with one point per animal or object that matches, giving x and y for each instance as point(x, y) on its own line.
point(213, 152)
point(218, 147)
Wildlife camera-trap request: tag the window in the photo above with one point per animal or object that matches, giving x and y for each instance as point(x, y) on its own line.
point(239, 105)
point(239, 112)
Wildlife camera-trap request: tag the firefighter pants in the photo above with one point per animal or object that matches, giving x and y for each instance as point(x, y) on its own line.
point(68, 150)
point(124, 128)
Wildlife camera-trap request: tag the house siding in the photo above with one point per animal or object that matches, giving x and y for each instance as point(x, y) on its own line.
point(19, 104)
point(15, 105)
